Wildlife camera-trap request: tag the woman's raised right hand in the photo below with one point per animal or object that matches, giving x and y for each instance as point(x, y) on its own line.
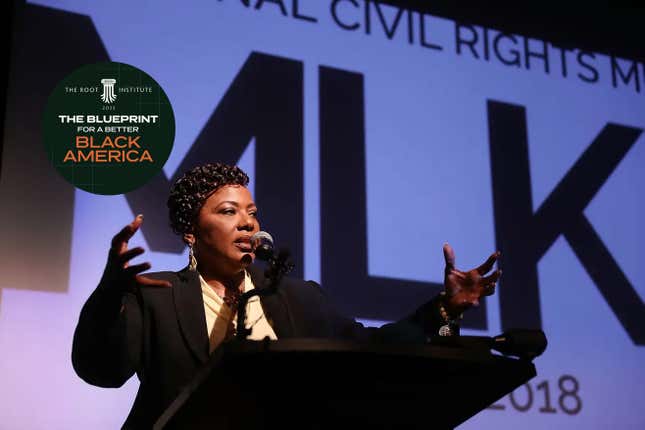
point(118, 270)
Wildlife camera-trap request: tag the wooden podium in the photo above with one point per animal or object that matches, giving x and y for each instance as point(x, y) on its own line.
point(326, 384)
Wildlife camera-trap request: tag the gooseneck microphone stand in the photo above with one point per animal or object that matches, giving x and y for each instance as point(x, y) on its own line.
point(278, 266)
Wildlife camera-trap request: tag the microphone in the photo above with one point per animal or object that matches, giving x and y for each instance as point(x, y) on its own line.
point(278, 266)
point(262, 243)
point(523, 343)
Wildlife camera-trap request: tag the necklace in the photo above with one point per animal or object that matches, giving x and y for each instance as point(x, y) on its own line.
point(232, 300)
point(231, 297)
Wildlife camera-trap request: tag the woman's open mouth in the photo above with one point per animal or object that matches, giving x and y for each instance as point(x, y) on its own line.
point(244, 244)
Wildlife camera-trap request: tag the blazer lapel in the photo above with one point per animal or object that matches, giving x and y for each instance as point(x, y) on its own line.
point(189, 306)
point(275, 306)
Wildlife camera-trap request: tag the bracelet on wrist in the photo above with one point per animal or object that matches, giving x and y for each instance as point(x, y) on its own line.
point(450, 324)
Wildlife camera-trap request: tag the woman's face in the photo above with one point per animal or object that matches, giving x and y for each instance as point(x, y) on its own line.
point(223, 230)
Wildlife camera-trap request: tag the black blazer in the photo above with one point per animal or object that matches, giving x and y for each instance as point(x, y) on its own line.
point(160, 333)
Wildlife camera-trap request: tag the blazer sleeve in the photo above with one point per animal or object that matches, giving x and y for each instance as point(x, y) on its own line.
point(423, 323)
point(106, 349)
point(428, 318)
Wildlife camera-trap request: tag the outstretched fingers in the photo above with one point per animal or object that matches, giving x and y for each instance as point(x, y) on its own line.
point(120, 240)
point(149, 282)
point(488, 264)
point(449, 256)
point(135, 269)
point(128, 255)
point(119, 268)
point(489, 282)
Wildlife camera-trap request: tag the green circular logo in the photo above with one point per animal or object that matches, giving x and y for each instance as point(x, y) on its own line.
point(108, 128)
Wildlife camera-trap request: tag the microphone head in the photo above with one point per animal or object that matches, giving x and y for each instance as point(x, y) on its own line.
point(262, 243)
point(262, 236)
point(523, 343)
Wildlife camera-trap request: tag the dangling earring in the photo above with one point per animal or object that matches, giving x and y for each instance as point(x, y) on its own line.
point(192, 261)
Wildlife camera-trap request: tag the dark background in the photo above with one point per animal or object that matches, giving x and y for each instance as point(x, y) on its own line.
point(617, 31)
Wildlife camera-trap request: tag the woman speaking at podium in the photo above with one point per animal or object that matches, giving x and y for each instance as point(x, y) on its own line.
point(163, 326)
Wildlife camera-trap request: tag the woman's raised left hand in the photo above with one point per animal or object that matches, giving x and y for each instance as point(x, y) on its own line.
point(464, 289)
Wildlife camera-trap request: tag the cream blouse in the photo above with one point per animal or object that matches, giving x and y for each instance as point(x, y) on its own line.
point(219, 316)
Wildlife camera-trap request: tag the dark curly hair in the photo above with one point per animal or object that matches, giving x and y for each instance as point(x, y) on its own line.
point(188, 193)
